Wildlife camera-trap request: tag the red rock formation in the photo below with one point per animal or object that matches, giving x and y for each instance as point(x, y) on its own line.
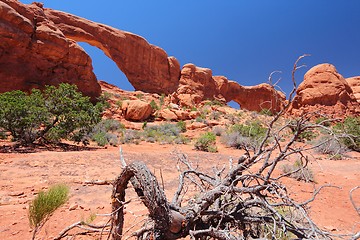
point(35, 53)
point(325, 90)
point(38, 47)
point(197, 84)
point(354, 83)
point(147, 67)
point(253, 98)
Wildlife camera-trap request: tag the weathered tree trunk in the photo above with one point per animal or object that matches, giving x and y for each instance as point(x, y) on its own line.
point(153, 197)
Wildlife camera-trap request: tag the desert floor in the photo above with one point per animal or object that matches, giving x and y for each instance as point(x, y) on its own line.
point(22, 175)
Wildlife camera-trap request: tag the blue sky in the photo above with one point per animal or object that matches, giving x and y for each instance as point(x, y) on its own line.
point(242, 40)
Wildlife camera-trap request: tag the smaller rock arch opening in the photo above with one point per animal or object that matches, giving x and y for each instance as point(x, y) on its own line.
point(234, 104)
point(105, 69)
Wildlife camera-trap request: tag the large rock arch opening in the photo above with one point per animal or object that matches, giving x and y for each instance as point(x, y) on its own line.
point(105, 68)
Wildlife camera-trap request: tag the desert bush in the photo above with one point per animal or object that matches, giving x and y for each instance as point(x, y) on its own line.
point(334, 147)
point(349, 132)
point(206, 142)
point(323, 121)
point(302, 134)
point(57, 113)
point(266, 111)
point(154, 106)
point(218, 131)
point(214, 115)
point(214, 102)
point(298, 171)
point(2, 134)
point(130, 136)
point(165, 133)
point(106, 132)
point(181, 125)
point(238, 141)
point(45, 203)
point(244, 136)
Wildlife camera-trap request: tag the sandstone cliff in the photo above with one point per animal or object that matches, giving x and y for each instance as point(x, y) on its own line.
point(35, 53)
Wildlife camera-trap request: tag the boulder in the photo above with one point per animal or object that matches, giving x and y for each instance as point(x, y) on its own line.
point(168, 115)
point(136, 110)
point(324, 90)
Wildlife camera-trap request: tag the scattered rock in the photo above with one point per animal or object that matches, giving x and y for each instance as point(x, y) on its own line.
point(73, 207)
point(16, 194)
point(196, 125)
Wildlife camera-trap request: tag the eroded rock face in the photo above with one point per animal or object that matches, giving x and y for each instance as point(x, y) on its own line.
point(35, 53)
point(325, 90)
point(253, 98)
point(196, 84)
point(354, 83)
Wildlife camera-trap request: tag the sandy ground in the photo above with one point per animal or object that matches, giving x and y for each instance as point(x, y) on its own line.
point(22, 175)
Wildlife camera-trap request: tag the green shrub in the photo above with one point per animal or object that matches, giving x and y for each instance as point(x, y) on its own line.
point(214, 102)
point(165, 133)
point(244, 136)
point(45, 203)
point(206, 142)
point(322, 121)
point(181, 125)
point(218, 131)
point(154, 106)
point(329, 145)
point(350, 131)
point(105, 132)
point(57, 113)
point(266, 111)
point(298, 172)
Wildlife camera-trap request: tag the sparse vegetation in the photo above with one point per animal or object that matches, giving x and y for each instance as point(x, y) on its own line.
point(206, 142)
point(45, 203)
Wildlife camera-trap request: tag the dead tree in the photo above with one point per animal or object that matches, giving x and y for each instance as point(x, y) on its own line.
point(243, 202)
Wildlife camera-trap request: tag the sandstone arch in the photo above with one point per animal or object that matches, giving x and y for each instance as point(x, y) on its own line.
point(147, 67)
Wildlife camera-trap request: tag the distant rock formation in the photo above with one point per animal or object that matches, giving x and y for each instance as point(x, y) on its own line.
point(198, 84)
point(354, 83)
point(324, 90)
point(35, 53)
